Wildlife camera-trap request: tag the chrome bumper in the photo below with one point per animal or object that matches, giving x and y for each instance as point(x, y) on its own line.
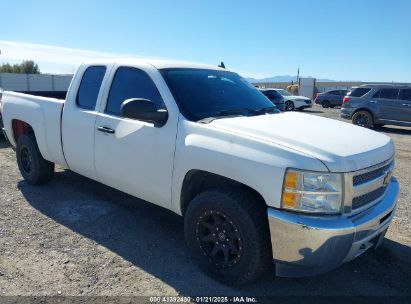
point(305, 245)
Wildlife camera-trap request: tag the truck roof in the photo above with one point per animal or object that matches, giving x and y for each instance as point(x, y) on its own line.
point(157, 63)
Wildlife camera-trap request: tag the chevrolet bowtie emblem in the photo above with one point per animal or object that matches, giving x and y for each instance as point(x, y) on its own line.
point(387, 179)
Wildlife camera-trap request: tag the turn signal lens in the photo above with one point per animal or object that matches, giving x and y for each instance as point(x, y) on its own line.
point(291, 180)
point(290, 200)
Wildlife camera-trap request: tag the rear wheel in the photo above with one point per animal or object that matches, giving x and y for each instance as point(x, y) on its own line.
point(228, 235)
point(325, 104)
point(289, 105)
point(33, 167)
point(363, 119)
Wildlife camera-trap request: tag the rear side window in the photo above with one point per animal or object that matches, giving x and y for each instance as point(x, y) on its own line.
point(90, 87)
point(273, 95)
point(334, 92)
point(131, 83)
point(389, 93)
point(405, 94)
point(359, 92)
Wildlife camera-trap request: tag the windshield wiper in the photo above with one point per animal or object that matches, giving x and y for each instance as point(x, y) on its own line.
point(239, 112)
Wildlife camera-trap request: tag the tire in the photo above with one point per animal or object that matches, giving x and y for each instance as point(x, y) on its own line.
point(33, 167)
point(325, 104)
point(289, 105)
point(231, 221)
point(363, 119)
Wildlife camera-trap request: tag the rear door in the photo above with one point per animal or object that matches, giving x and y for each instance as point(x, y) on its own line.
point(388, 104)
point(79, 118)
point(405, 104)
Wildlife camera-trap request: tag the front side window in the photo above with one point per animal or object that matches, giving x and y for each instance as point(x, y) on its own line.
point(202, 93)
point(389, 93)
point(131, 83)
point(405, 94)
point(90, 87)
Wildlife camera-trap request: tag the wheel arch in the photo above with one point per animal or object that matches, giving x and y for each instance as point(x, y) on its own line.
point(20, 127)
point(364, 109)
point(196, 181)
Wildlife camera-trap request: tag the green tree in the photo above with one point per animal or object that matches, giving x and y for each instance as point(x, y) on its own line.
point(26, 67)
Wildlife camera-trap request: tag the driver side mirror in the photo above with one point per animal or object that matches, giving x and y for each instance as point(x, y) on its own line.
point(145, 110)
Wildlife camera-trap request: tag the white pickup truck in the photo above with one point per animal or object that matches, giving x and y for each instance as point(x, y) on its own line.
point(254, 185)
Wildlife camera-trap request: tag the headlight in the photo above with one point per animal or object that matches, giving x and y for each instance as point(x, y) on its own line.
point(313, 192)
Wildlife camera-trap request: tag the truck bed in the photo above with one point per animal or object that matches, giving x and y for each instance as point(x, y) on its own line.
point(43, 115)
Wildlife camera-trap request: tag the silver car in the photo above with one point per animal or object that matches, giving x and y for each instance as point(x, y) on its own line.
point(378, 105)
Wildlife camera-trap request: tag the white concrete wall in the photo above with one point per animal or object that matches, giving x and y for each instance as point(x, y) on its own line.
point(34, 82)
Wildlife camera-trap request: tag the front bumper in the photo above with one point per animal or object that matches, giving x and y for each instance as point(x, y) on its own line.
point(4, 134)
point(304, 245)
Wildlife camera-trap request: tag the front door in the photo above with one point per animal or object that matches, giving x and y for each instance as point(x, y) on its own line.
point(131, 155)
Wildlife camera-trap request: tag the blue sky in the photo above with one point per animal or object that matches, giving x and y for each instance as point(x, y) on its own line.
point(367, 40)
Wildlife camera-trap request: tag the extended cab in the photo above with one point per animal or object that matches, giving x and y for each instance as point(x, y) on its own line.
point(203, 142)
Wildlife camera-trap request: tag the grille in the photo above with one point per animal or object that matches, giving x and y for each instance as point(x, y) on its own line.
point(365, 177)
point(364, 199)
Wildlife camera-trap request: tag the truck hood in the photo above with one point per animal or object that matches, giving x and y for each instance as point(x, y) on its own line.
point(341, 146)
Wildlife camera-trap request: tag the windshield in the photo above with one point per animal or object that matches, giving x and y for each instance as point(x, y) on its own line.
point(284, 92)
point(202, 93)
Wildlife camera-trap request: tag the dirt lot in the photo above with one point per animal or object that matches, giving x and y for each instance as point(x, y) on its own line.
point(77, 237)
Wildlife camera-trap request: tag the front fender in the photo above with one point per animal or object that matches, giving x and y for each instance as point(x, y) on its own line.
point(259, 165)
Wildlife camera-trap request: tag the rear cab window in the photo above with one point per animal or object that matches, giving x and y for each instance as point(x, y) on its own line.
point(359, 92)
point(90, 87)
point(131, 83)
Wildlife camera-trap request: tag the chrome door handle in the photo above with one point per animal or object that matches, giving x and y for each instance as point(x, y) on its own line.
point(406, 105)
point(372, 101)
point(106, 130)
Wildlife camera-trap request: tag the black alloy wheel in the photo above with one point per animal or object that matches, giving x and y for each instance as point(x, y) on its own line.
point(219, 239)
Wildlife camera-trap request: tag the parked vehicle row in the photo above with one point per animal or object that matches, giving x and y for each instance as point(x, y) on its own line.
point(203, 142)
point(285, 101)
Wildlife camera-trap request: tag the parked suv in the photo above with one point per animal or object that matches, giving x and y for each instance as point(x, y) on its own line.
point(276, 98)
point(378, 105)
point(330, 99)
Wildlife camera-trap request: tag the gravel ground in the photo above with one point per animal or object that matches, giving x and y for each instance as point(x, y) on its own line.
point(75, 236)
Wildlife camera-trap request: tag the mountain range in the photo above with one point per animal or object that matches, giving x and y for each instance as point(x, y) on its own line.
point(281, 78)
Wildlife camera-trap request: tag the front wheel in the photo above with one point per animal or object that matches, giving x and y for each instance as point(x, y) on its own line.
point(289, 105)
point(363, 119)
point(33, 167)
point(228, 235)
